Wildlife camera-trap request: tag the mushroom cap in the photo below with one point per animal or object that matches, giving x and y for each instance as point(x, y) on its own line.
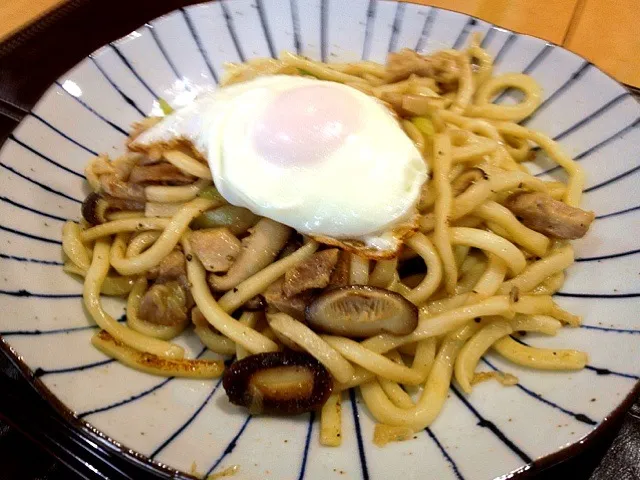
point(359, 311)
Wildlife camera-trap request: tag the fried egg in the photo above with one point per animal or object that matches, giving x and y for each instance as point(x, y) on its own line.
point(321, 157)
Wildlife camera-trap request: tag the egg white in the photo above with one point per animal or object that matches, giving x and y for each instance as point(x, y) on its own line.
point(360, 191)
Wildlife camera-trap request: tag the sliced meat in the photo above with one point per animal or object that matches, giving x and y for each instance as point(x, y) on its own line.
point(293, 292)
point(275, 297)
point(160, 173)
point(216, 248)
point(442, 66)
point(172, 267)
point(540, 212)
point(314, 272)
point(340, 274)
point(164, 304)
point(113, 186)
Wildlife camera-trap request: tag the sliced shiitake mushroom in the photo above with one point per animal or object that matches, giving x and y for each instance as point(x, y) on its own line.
point(358, 311)
point(286, 383)
point(96, 206)
point(94, 209)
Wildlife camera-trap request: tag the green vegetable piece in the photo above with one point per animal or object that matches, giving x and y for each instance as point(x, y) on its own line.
point(164, 106)
point(236, 219)
point(306, 72)
point(424, 125)
point(211, 193)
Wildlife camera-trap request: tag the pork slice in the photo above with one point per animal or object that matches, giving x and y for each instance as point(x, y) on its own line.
point(313, 272)
point(216, 248)
point(540, 212)
point(172, 267)
point(164, 304)
point(443, 67)
point(294, 305)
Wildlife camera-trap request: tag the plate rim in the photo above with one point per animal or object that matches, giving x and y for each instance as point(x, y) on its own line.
point(21, 96)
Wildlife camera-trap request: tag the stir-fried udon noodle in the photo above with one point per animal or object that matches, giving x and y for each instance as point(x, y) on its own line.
point(489, 252)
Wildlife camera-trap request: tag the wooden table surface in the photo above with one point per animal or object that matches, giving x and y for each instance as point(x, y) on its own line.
point(604, 31)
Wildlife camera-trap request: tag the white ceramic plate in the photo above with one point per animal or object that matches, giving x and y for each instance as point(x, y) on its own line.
point(189, 425)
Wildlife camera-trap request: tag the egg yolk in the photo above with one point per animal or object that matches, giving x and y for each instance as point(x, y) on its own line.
point(305, 125)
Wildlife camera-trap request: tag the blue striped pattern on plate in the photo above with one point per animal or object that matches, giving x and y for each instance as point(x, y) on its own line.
point(188, 424)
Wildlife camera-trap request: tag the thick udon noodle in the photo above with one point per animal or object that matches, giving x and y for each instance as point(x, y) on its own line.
point(487, 275)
